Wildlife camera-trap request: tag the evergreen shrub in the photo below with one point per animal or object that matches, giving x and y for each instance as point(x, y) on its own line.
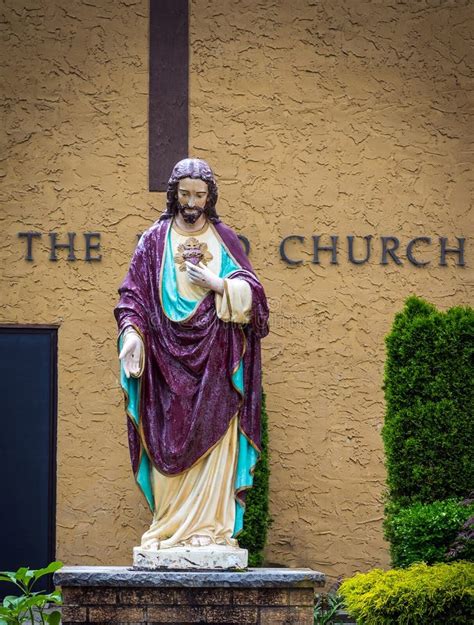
point(421, 532)
point(256, 518)
point(442, 594)
point(429, 393)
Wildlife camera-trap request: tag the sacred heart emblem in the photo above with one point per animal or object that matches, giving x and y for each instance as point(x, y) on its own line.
point(194, 251)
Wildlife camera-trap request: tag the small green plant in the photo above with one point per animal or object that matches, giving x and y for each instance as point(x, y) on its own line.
point(326, 608)
point(442, 594)
point(422, 532)
point(328, 604)
point(25, 607)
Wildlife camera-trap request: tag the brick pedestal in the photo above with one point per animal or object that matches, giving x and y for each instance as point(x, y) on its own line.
point(124, 596)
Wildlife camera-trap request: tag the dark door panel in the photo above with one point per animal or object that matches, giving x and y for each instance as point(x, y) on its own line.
point(28, 396)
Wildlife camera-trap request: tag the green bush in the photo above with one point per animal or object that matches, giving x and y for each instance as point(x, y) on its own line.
point(257, 519)
point(429, 393)
point(442, 594)
point(422, 532)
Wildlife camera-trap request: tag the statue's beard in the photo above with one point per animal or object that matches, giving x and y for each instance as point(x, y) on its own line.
point(190, 218)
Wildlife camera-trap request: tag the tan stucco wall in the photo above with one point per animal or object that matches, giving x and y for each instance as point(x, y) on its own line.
point(319, 118)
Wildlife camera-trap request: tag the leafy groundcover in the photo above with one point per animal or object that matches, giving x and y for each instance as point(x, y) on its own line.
point(442, 594)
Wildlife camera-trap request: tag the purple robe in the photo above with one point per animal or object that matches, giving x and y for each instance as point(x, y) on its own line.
point(187, 397)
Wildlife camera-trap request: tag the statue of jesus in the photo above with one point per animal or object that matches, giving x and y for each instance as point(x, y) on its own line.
point(190, 317)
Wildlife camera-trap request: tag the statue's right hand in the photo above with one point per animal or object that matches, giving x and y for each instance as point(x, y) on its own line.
point(131, 353)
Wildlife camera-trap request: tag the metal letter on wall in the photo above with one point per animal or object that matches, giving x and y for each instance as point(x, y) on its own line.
point(168, 117)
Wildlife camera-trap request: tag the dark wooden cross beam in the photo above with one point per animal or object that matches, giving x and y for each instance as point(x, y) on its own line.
point(168, 119)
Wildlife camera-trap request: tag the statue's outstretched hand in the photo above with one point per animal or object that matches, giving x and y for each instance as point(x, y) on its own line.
point(132, 353)
point(202, 276)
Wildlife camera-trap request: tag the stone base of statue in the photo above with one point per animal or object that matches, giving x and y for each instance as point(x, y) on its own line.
point(114, 594)
point(212, 557)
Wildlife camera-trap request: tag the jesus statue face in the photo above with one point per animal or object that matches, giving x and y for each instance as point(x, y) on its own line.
point(192, 197)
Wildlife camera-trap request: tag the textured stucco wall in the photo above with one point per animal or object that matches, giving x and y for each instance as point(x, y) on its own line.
point(319, 118)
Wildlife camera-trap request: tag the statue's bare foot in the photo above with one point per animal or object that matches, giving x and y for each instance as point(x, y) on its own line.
point(200, 541)
point(151, 545)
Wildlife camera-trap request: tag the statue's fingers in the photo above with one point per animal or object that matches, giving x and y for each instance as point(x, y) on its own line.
point(190, 266)
point(205, 270)
point(123, 352)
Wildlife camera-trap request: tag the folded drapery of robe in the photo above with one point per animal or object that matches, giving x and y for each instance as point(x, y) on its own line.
point(200, 372)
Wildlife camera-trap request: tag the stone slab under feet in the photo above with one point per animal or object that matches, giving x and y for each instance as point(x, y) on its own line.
point(211, 558)
point(126, 577)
